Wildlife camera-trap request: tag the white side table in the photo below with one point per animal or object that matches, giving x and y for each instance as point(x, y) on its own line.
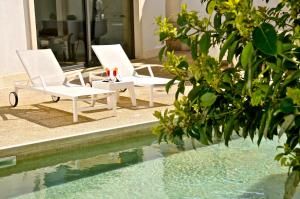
point(116, 86)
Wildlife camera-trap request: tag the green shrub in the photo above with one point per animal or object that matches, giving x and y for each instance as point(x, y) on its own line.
point(257, 94)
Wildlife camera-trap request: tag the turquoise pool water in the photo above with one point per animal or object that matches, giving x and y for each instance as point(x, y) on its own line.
point(139, 168)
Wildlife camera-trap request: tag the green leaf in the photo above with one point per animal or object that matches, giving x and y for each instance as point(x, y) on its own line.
point(217, 21)
point(161, 53)
point(185, 40)
point(268, 122)
point(232, 50)
point(291, 77)
point(194, 132)
point(265, 39)
point(208, 99)
point(294, 94)
point(289, 65)
point(262, 126)
point(182, 20)
point(183, 64)
point(210, 6)
point(205, 43)
point(194, 49)
point(227, 44)
point(279, 156)
point(226, 77)
point(194, 93)
point(203, 136)
point(157, 114)
point(283, 47)
point(163, 36)
point(247, 54)
point(228, 130)
point(289, 121)
point(287, 106)
point(297, 53)
point(257, 98)
point(169, 84)
point(180, 89)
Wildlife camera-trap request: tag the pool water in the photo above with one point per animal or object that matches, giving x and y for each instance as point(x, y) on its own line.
point(140, 168)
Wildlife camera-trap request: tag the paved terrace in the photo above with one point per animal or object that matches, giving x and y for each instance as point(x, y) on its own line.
point(37, 119)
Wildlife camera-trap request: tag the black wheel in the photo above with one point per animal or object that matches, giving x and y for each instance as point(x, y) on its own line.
point(55, 98)
point(13, 99)
point(88, 84)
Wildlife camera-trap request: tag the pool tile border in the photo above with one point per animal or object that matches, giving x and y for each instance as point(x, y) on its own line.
point(52, 146)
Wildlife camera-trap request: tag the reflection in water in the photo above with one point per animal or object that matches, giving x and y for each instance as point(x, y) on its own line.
point(74, 170)
point(38, 174)
point(143, 169)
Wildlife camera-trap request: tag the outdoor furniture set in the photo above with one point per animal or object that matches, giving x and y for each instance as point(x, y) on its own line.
point(45, 75)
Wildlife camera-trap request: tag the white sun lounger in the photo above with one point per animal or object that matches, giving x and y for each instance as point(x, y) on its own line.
point(112, 56)
point(45, 75)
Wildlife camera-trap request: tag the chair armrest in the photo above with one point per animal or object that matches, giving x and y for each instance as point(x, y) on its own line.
point(94, 75)
point(74, 74)
point(41, 79)
point(22, 83)
point(146, 66)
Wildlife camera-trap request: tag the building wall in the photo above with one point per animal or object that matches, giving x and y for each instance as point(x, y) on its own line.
point(16, 33)
point(145, 12)
point(13, 36)
point(197, 6)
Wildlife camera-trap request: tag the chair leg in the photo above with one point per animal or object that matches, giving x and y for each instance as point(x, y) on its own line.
point(151, 103)
point(93, 101)
point(113, 103)
point(132, 95)
point(75, 111)
point(117, 95)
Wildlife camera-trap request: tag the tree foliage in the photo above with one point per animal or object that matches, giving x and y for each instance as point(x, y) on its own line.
point(257, 94)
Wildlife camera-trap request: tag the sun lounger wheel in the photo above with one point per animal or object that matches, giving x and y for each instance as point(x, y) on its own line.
point(88, 84)
point(55, 98)
point(13, 99)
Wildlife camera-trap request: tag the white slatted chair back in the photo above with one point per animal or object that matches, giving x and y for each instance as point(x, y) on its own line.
point(112, 56)
point(42, 63)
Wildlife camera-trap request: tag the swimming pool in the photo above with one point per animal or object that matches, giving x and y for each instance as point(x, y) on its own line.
point(140, 168)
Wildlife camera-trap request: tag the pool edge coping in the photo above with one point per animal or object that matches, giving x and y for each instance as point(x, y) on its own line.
point(101, 136)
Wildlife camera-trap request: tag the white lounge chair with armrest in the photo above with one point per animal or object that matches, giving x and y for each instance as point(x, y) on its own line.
point(45, 75)
point(112, 56)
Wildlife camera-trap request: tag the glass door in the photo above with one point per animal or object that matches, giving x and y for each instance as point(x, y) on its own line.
point(61, 27)
point(112, 23)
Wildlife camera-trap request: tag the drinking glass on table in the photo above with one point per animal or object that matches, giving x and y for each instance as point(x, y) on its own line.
point(107, 71)
point(115, 73)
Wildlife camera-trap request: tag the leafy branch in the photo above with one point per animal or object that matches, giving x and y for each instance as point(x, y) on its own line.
point(256, 94)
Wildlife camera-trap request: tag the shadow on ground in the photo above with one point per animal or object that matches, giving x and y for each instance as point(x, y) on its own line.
point(42, 115)
point(52, 118)
point(125, 102)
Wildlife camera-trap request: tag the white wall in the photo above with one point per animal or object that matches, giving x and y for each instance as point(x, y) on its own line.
point(196, 6)
point(145, 12)
point(172, 9)
point(12, 36)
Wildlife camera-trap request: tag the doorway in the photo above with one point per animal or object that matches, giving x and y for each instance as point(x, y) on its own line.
point(61, 25)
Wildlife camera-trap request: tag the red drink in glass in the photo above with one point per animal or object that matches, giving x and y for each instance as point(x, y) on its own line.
point(115, 72)
point(107, 71)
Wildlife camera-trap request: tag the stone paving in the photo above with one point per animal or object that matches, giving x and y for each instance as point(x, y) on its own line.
point(37, 118)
